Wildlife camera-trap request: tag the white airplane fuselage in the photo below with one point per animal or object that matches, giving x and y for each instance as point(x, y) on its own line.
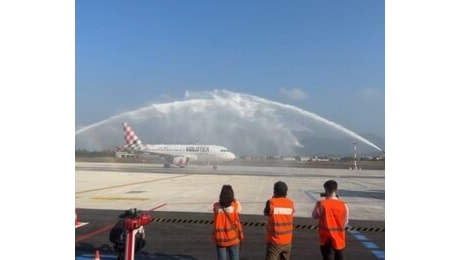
point(200, 153)
point(177, 154)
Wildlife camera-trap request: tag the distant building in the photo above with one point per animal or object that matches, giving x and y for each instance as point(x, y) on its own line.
point(124, 155)
point(318, 159)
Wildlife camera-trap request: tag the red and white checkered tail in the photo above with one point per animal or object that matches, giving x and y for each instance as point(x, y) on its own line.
point(131, 139)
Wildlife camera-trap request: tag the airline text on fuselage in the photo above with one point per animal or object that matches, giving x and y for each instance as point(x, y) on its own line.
point(197, 149)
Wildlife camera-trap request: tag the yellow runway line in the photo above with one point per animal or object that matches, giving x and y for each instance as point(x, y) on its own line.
point(118, 198)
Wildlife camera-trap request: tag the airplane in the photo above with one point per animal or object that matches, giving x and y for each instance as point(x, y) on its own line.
point(177, 154)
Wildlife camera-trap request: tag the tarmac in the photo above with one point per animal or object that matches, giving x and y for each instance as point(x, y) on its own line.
point(180, 201)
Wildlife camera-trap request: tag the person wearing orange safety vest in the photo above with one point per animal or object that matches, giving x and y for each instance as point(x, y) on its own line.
point(332, 215)
point(227, 229)
point(280, 212)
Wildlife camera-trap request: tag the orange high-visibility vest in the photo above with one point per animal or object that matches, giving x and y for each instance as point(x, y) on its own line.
point(331, 224)
point(225, 232)
point(280, 221)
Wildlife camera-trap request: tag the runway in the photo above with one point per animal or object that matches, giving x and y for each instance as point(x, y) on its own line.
point(229, 170)
point(105, 189)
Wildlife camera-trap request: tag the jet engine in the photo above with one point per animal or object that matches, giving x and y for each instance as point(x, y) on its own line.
point(181, 161)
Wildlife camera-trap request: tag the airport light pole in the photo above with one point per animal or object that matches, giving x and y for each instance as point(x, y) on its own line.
point(355, 164)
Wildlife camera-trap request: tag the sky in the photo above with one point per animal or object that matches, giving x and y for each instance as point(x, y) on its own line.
point(326, 57)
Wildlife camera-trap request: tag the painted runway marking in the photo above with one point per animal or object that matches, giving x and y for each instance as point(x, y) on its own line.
point(117, 198)
point(310, 195)
point(370, 245)
point(360, 237)
point(91, 257)
point(380, 254)
point(157, 207)
point(81, 224)
point(129, 184)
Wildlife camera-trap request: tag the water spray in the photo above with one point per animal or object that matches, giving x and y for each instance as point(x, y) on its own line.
point(249, 123)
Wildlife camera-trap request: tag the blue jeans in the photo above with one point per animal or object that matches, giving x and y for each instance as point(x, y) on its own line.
point(233, 252)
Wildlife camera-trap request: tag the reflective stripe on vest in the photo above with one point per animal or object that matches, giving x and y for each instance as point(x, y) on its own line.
point(280, 221)
point(223, 240)
point(282, 211)
point(227, 209)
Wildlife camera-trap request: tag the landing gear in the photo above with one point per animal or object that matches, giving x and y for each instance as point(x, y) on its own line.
point(166, 165)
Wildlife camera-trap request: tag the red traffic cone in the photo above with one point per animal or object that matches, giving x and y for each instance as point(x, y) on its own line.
point(96, 255)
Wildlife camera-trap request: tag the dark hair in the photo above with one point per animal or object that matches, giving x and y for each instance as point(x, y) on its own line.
point(330, 186)
point(280, 189)
point(226, 196)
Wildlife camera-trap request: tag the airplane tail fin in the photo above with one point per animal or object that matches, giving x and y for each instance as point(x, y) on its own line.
point(131, 139)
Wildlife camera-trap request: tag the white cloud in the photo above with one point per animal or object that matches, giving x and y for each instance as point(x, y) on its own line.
point(295, 93)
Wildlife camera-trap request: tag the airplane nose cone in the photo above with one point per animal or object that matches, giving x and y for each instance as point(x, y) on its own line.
point(231, 156)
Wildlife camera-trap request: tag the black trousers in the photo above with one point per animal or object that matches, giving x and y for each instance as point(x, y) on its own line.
point(326, 252)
